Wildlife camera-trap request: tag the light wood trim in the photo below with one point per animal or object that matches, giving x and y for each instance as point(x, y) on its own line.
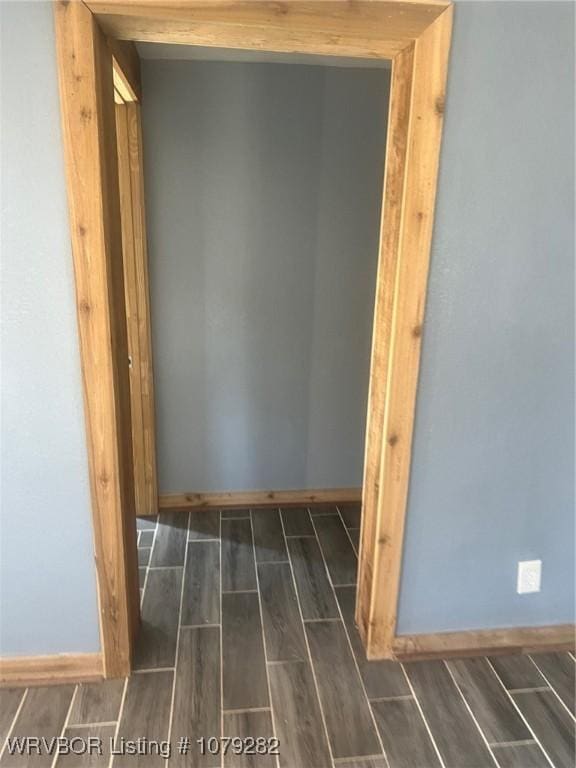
point(402, 280)
point(51, 670)
point(394, 182)
point(416, 36)
point(89, 136)
point(485, 642)
point(126, 69)
point(259, 498)
point(135, 260)
point(364, 29)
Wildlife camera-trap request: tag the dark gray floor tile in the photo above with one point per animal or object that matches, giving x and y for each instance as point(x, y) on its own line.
point(269, 543)
point(323, 509)
point(520, 756)
point(346, 711)
point(232, 513)
point(244, 679)
point(97, 702)
point(88, 760)
point(381, 678)
point(248, 725)
point(551, 723)
point(10, 699)
point(314, 591)
point(558, 669)
point(454, 731)
point(197, 694)
point(488, 701)
point(141, 577)
point(201, 597)
point(354, 534)
point(204, 524)
point(143, 556)
point(350, 514)
point(517, 672)
point(146, 714)
point(146, 538)
point(337, 549)
point(156, 643)
point(238, 571)
point(146, 523)
point(43, 714)
point(283, 631)
point(170, 541)
point(299, 726)
point(404, 735)
point(297, 521)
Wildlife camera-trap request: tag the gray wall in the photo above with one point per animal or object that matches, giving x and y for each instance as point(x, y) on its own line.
point(493, 464)
point(263, 190)
point(47, 576)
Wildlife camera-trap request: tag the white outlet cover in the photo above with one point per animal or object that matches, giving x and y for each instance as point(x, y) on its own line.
point(529, 576)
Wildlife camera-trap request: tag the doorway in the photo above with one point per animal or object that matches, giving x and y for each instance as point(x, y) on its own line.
point(416, 39)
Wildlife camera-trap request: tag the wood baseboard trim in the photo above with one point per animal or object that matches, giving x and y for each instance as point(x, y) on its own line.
point(52, 670)
point(210, 500)
point(558, 637)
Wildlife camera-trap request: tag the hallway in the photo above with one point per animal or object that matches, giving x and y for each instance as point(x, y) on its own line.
point(250, 614)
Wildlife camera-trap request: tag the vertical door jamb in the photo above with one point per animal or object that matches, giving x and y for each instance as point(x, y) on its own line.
point(89, 138)
point(135, 261)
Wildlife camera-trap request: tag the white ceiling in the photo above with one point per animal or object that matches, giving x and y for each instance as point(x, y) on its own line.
point(198, 53)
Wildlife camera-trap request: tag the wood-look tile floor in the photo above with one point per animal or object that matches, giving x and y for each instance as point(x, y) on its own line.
point(248, 631)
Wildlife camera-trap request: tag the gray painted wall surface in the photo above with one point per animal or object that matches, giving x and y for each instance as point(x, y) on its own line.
point(47, 576)
point(263, 201)
point(493, 464)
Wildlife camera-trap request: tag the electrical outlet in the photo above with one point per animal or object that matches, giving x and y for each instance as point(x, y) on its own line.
point(529, 576)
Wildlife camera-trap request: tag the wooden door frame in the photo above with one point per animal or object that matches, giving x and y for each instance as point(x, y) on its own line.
point(415, 36)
